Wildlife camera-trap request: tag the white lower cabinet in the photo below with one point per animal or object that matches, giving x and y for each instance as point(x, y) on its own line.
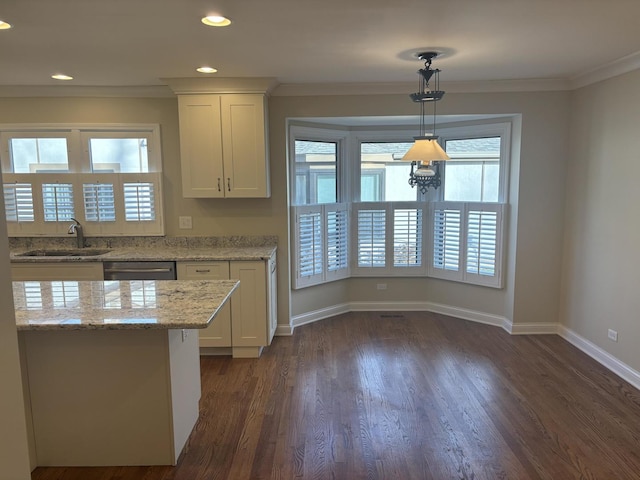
point(247, 323)
point(218, 333)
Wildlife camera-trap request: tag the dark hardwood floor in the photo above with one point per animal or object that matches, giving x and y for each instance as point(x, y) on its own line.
point(405, 396)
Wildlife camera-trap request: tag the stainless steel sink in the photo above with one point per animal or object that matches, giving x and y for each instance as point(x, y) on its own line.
point(77, 252)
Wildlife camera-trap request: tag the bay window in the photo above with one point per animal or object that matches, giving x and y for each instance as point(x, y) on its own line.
point(387, 227)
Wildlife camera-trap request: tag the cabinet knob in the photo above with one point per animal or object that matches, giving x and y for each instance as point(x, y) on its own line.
point(228, 184)
point(219, 188)
point(203, 270)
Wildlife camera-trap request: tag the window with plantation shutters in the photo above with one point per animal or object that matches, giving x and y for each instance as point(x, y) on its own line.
point(321, 250)
point(467, 241)
point(109, 178)
point(389, 238)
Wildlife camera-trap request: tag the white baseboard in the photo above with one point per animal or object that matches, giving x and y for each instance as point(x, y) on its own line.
point(457, 312)
point(321, 314)
point(284, 331)
point(601, 356)
point(532, 328)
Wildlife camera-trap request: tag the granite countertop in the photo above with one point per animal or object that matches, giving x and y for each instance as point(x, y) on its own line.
point(119, 305)
point(154, 253)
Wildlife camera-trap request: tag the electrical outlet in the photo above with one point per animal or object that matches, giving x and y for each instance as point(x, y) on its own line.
point(613, 335)
point(381, 286)
point(185, 223)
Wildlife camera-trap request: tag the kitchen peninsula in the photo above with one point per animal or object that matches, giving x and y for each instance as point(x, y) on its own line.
point(111, 368)
point(245, 326)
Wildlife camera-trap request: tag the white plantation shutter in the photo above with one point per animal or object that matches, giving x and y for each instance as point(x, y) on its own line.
point(57, 202)
point(139, 202)
point(484, 244)
point(447, 241)
point(99, 202)
point(311, 257)
point(407, 237)
point(308, 252)
point(321, 250)
point(371, 238)
point(337, 228)
point(466, 242)
point(18, 201)
point(388, 238)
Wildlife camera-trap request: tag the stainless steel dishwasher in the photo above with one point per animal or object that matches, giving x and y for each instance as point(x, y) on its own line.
point(139, 270)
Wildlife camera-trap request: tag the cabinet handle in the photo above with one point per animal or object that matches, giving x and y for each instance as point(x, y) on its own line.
point(219, 188)
point(203, 271)
point(228, 184)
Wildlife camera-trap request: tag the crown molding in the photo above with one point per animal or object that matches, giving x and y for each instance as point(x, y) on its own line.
point(85, 91)
point(491, 86)
point(609, 70)
point(203, 85)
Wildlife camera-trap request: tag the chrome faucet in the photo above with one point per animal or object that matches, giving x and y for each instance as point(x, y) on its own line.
point(76, 228)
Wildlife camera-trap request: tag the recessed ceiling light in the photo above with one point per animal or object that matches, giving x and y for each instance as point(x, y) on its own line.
point(216, 21)
point(61, 76)
point(206, 70)
point(5, 25)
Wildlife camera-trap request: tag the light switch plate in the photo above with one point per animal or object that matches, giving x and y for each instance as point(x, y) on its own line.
point(185, 223)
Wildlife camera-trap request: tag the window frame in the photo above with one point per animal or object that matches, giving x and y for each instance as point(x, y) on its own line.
point(314, 134)
point(498, 129)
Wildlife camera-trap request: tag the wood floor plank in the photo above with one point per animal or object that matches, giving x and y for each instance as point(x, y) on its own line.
point(404, 395)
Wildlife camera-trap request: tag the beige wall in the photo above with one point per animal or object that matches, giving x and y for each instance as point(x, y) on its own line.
point(14, 453)
point(537, 196)
point(531, 294)
point(601, 268)
point(211, 217)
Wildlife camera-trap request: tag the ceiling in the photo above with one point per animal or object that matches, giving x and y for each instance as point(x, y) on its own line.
point(139, 42)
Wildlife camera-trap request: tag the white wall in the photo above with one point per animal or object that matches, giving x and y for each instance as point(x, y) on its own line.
point(14, 453)
point(601, 264)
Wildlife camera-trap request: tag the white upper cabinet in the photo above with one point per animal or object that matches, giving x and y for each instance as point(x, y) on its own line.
point(223, 146)
point(224, 151)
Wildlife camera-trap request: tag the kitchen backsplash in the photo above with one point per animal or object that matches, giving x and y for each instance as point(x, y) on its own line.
point(144, 242)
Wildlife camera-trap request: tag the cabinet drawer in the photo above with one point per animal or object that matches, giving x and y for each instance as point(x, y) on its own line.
point(203, 270)
point(56, 271)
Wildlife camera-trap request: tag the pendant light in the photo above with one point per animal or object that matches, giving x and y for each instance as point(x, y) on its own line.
point(426, 153)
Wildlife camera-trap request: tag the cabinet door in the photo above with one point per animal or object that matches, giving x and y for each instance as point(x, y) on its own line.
point(56, 271)
point(249, 304)
point(246, 166)
point(218, 333)
point(201, 146)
